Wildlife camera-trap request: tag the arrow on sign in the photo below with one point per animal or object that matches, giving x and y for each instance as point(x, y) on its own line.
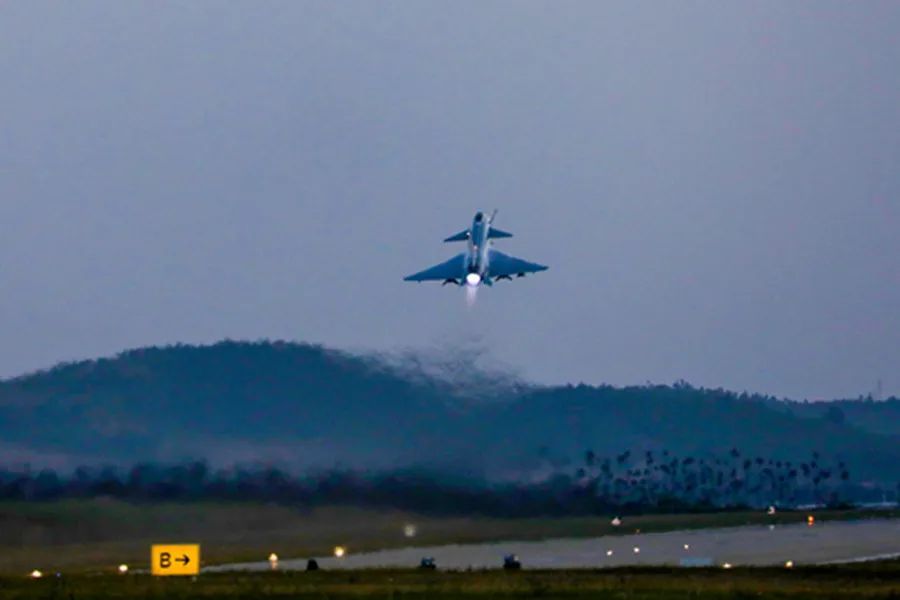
point(185, 559)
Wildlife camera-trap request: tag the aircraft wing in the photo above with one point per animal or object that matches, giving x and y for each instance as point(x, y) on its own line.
point(503, 265)
point(459, 237)
point(455, 268)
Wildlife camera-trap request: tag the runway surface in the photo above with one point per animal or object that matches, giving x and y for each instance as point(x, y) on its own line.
point(824, 542)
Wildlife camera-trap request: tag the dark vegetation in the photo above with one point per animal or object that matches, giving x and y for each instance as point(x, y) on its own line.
point(307, 410)
point(626, 483)
point(877, 580)
point(865, 412)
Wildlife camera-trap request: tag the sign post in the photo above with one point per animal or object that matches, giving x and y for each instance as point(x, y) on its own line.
point(175, 559)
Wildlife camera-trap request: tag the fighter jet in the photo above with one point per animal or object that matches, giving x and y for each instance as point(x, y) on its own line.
point(480, 263)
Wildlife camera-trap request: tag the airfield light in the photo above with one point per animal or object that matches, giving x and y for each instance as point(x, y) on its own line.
point(473, 279)
point(36, 574)
point(409, 530)
point(123, 568)
point(789, 564)
point(609, 552)
point(616, 521)
point(771, 510)
point(339, 551)
point(687, 546)
point(810, 520)
point(726, 566)
point(637, 550)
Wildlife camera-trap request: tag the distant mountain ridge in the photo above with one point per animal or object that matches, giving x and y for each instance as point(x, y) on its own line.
point(311, 407)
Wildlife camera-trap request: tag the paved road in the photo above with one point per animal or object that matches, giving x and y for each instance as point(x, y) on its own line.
point(838, 541)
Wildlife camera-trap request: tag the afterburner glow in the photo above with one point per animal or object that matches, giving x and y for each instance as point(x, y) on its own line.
point(473, 279)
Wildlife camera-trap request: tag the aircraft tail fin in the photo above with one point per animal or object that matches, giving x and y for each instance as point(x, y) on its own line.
point(459, 237)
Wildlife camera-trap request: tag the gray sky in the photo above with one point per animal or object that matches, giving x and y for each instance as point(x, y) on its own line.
point(715, 186)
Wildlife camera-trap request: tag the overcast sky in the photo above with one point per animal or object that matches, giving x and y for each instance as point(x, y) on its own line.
point(715, 185)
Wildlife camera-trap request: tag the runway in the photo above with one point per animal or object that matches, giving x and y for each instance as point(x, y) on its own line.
point(824, 542)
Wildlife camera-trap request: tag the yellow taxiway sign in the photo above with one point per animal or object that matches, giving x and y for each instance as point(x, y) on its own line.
point(175, 559)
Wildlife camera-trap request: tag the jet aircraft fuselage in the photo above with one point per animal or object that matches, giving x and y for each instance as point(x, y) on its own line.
point(478, 249)
point(481, 263)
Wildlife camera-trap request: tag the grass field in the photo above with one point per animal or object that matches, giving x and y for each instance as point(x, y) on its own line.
point(97, 535)
point(872, 580)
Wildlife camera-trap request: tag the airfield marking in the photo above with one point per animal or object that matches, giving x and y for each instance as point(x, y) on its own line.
point(860, 559)
point(175, 559)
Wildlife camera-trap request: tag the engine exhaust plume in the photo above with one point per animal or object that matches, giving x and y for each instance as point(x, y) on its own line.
point(471, 295)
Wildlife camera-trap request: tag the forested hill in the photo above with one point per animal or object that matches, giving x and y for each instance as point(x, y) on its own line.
point(308, 406)
point(871, 415)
